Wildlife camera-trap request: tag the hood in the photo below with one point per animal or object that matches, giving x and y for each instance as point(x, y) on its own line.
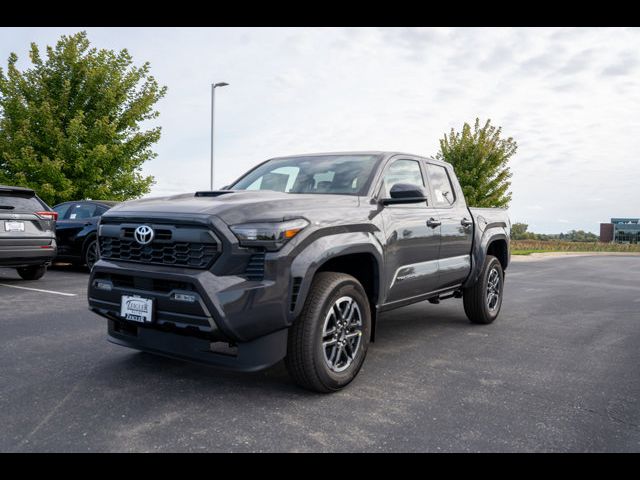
point(241, 206)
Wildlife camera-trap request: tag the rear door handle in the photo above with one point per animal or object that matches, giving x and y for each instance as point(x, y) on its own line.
point(465, 222)
point(433, 223)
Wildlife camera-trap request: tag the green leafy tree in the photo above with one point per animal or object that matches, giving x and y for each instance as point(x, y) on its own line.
point(519, 231)
point(479, 157)
point(70, 125)
point(581, 236)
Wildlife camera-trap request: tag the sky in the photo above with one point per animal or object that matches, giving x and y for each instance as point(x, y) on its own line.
point(570, 97)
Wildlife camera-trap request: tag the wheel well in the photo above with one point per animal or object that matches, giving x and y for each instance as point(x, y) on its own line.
point(499, 249)
point(364, 267)
point(89, 238)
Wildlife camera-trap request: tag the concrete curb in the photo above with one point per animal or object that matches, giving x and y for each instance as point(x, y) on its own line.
point(546, 255)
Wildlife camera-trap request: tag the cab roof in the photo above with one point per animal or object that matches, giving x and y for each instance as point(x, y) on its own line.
point(383, 154)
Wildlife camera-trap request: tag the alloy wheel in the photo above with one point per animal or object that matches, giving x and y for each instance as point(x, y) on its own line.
point(342, 334)
point(493, 289)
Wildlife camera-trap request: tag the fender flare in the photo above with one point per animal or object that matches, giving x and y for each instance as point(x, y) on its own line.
point(479, 251)
point(306, 263)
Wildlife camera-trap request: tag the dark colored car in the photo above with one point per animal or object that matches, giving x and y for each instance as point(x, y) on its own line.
point(27, 232)
point(296, 260)
point(77, 230)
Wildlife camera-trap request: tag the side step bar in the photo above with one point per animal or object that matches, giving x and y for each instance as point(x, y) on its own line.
point(444, 296)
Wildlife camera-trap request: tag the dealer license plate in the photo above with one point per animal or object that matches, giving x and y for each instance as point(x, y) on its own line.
point(136, 309)
point(11, 226)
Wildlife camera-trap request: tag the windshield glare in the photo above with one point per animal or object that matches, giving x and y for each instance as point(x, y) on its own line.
point(327, 174)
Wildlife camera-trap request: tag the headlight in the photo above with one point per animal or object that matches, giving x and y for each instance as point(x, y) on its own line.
point(272, 236)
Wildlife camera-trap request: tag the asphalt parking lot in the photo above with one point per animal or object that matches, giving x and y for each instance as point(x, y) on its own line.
point(558, 371)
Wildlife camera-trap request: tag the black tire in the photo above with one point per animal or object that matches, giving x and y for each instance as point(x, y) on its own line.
point(90, 255)
point(479, 306)
point(306, 359)
point(32, 273)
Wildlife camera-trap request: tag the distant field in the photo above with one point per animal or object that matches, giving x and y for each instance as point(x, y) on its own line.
point(526, 247)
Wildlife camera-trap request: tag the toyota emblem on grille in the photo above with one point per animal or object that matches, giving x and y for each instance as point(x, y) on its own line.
point(144, 234)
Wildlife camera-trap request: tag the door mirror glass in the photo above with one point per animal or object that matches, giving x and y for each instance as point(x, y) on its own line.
point(406, 193)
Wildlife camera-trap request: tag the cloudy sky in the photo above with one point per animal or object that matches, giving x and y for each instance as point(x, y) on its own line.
point(570, 97)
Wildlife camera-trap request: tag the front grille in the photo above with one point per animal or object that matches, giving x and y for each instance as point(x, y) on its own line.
point(143, 283)
point(159, 233)
point(180, 254)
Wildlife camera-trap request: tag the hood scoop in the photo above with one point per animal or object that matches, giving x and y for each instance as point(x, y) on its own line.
point(212, 193)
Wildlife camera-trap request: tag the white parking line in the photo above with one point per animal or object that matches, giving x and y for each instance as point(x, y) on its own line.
point(38, 290)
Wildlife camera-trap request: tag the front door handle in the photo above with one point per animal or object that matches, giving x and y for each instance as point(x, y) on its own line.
point(465, 222)
point(433, 223)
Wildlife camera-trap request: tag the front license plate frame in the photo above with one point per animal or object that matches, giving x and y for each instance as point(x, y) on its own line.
point(136, 309)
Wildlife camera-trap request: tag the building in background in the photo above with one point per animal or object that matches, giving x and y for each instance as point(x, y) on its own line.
point(606, 232)
point(621, 230)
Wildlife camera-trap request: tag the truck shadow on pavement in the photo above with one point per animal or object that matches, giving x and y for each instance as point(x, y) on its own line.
point(69, 267)
point(422, 323)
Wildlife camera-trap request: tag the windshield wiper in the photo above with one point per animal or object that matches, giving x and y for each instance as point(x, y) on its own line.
point(7, 207)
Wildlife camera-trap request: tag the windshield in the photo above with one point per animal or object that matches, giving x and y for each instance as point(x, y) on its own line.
point(326, 174)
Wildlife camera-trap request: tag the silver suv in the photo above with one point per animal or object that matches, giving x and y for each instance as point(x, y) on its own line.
point(27, 232)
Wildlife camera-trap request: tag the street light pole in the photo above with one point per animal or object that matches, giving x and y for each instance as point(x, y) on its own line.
point(213, 100)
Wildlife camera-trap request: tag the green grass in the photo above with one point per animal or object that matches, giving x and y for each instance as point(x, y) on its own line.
point(527, 252)
point(527, 247)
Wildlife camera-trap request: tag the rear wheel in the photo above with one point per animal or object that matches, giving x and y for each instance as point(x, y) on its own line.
point(32, 273)
point(483, 300)
point(328, 343)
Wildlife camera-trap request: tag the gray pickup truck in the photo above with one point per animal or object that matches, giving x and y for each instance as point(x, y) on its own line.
point(296, 259)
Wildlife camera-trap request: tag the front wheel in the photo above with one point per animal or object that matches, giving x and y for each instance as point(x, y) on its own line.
point(483, 300)
point(91, 255)
point(32, 273)
point(328, 343)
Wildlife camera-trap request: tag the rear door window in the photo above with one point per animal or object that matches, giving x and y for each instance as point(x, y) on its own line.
point(441, 187)
point(81, 211)
point(19, 203)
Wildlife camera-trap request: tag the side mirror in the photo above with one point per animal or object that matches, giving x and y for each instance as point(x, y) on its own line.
point(405, 193)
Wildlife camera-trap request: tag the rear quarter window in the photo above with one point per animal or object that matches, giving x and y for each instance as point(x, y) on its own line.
point(100, 210)
point(20, 203)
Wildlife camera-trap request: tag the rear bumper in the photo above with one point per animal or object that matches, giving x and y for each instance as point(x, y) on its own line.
point(20, 256)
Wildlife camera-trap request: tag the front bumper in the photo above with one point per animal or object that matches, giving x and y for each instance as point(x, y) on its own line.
point(251, 356)
point(251, 316)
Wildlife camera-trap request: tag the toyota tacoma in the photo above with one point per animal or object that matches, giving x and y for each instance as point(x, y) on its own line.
point(296, 260)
